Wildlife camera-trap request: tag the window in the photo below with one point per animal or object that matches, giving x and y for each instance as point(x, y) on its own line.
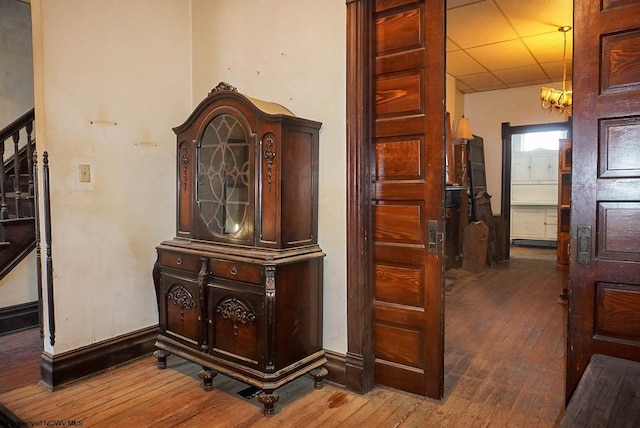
point(547, 140)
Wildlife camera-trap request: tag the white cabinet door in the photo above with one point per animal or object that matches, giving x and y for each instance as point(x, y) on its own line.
point(551, 224)
point(534, 167)
point(544, 167)
point(553, 167)
point(520, 168)
point(528, 223)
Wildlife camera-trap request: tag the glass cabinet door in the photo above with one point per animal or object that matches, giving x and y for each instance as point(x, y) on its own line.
point(224, 176)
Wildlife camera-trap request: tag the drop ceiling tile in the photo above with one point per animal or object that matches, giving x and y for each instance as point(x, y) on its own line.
point(482, 82)
point(474, 26)
point(554, 70)
point(533, 17)
point(499, 56)
point(549, 47)
point(515, 75)
point(540, 82)
point(465, 89)
point(451, 45)
point(478, 24)
point(460, 63)
point(457, 3)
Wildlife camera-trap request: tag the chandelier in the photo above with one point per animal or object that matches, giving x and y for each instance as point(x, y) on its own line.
point(556, 100)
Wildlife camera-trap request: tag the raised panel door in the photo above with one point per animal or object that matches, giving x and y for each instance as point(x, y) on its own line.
point(605, 195)
point(408, 208)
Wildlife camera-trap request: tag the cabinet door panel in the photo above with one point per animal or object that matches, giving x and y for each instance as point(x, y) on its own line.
point(553, 167)
point(520, 168)
point(236, 321)
point(528, 223)
point(551, 224)
point(181, 309)
point(540, 167)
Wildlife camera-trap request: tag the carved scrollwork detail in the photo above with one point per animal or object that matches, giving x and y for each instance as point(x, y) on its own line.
point(237, 312)
point(270, 294)
point(180, 296)
point(184, 159)
point(224, 86)
point(269, 156)
point(270, 280)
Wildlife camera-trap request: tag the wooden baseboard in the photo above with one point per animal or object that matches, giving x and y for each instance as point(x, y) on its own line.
point(337, 367)
point(60, 369)
point(354, 372)
point(18, 317)
point(9, 420)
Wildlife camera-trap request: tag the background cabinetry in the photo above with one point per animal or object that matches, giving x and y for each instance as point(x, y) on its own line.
point(534, 167)
point(564, 203)
point(534, 192)
point(534, 222)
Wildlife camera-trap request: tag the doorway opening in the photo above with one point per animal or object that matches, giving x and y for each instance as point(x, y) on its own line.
point(530, 185)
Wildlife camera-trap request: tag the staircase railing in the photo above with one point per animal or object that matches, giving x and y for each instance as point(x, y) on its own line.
point(16, 170)
point(17, 187)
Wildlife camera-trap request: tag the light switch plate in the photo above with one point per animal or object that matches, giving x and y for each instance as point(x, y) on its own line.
point(85, 173)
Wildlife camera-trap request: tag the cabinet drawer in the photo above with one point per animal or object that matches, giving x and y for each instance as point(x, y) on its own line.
point(187, 262)
point(236, 271)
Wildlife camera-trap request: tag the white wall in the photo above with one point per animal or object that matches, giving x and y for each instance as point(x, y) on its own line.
point(488, 110)
point(21, 284)
point(111, 79)
point(291, 52)
point(454, 101)
point(16, 66)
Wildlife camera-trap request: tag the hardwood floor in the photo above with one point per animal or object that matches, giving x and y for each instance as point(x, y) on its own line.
point(20, 356)
point(504, 365)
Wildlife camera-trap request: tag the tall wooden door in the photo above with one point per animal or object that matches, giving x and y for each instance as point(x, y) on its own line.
point(604, 302)
point(408, 136)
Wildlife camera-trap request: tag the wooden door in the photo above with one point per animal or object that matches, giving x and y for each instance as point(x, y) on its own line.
point(604, 301)
point(408, 136)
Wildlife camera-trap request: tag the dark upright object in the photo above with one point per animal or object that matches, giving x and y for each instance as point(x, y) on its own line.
point(240, 287)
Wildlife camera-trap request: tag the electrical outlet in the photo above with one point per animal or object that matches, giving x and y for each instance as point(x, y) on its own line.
point(85, 173)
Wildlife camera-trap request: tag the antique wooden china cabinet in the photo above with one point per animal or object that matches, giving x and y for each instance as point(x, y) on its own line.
point(239, 288)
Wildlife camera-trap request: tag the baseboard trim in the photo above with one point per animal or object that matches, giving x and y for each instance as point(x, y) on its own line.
point(337, 367)
point(60, 369)
point(18, 317)
point(9, 420)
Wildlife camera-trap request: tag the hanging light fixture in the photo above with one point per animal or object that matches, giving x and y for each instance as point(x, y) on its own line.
point(559, 101)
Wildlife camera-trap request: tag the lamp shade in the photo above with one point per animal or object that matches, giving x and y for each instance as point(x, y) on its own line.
point(463, 132)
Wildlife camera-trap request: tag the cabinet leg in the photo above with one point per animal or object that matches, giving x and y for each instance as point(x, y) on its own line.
point(207, 376)
point(268, 398)
point(161, 355)
point(318, 377)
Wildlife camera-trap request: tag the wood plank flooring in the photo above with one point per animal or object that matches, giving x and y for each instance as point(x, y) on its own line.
point(504, 364)
point(20, 357)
